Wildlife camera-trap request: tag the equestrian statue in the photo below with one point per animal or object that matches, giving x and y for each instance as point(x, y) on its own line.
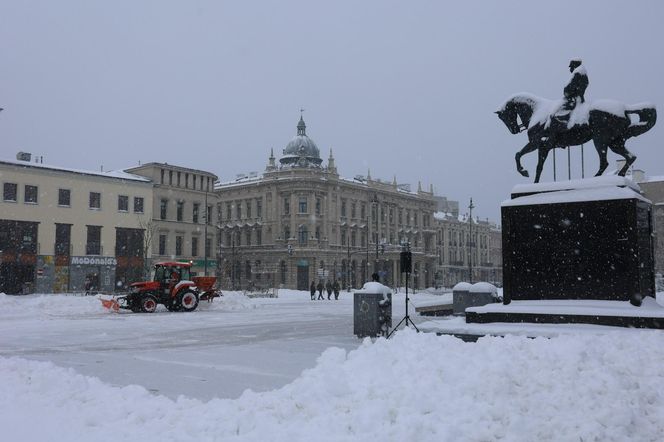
point(573, 120)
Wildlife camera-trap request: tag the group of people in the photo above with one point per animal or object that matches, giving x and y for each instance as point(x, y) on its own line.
point(328, 286)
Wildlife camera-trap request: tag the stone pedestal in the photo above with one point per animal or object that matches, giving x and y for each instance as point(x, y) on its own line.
point(583, 239)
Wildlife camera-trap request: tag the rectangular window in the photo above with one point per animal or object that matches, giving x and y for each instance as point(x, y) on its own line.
point(9, 192)
point(123, 203)
point(180, 210)
point(208, 247)
point(208, 217)
point(194, 215)
point(317, 233)
point(138, 204)
point(238, 210)
point(352, 210)
point(193, 179)
point(287, 206)
point(343, 237)
point(163, 209)
point(62, 239)
point(194, 246)
point(259, 237)
point(353, 239)
point(178, 245)
point(229, 211)
point(303, 236)
point(64, 197)
point(95, 200)
point(186, 180)
point(259, 208)
point(248, 202)
point(343, 208)
point(162, 177)
point(162, 244)
point(302, 206)
point(318, 206)
point(179, 174)
point(363, 211)
point(286, 233)
point(170, 177)
point(248, 236)
point(31, 194)
point(93, 246)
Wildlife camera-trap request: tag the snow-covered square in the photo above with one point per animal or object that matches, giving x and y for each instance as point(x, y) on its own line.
point(289, 368)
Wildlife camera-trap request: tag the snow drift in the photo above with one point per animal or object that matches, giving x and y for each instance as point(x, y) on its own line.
point(412, 387)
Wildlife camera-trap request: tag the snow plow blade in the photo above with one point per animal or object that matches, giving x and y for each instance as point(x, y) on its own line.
point(110, 304)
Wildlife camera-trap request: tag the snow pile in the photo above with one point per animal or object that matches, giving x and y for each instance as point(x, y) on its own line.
point(414, 387)
point(229, 301)
point(47, 305)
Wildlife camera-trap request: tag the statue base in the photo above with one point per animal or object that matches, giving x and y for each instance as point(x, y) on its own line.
point(578, 240)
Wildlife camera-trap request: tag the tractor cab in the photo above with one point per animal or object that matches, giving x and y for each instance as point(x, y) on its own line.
point(168, 274)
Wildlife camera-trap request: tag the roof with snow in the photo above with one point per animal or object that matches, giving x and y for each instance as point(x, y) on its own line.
point(115, 174)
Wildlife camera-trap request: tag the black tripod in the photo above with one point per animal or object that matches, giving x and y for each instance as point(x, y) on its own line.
point(406, 318)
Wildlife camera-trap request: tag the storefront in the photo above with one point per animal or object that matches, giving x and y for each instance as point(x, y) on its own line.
point(94, 273)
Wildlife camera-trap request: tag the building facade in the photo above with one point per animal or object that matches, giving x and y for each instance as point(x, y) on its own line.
point(183, 215)
point(62, 230)
point(299, 222)
point(653, 189)
point(459, 254)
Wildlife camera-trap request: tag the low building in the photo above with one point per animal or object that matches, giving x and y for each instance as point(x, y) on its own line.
point(182, 226)
point(62, 230)
point(299, 221)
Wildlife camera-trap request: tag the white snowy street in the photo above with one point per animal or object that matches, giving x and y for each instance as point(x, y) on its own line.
point(220, 350)
point(74, 372)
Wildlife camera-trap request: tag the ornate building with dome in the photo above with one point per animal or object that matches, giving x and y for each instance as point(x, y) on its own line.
point(299, 222)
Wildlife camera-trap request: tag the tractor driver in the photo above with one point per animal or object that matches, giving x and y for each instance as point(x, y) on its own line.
point(174, 278)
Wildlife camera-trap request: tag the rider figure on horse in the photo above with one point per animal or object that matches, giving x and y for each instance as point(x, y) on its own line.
point(574, 91)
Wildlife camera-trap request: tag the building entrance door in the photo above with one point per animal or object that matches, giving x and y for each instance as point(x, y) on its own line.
point(303, 275)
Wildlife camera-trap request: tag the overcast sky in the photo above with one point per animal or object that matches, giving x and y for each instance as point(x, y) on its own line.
point(405, 88)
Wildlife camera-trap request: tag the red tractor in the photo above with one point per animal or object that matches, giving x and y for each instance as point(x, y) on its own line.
point(172, 286)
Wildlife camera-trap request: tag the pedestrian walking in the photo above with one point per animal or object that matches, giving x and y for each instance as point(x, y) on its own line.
point(312, 289)
point(328, 287)
point(336, 289)
point(320, 290)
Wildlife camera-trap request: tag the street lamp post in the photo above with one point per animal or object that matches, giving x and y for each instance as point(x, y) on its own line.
point(233, 259)
point(470, 242)
point(205, 252)
point(374, 203)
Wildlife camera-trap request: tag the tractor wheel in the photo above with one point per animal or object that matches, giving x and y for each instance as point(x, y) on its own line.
point(187, 301)
point(148, 304)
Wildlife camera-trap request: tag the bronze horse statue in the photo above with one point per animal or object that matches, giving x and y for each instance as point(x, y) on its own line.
point(606, 122)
